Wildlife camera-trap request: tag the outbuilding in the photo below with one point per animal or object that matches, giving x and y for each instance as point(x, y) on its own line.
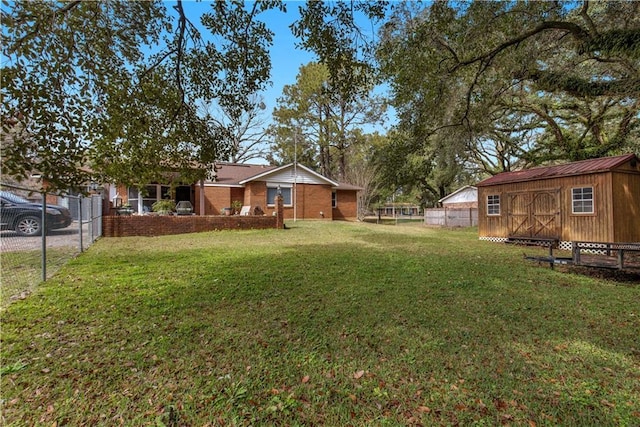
point(463, 198)
point(595, 200)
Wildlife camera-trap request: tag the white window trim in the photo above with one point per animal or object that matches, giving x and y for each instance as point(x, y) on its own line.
point(282, 187)
point(494, 204)
point(140, 200)
point(593, 201)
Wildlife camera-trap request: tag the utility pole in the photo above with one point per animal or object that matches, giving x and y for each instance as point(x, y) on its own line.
point(295, 176)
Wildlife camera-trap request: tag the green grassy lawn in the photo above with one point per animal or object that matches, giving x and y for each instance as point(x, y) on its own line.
point(22, 270)
point(327, 323)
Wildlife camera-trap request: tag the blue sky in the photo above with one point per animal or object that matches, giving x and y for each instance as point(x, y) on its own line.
point(286, 59)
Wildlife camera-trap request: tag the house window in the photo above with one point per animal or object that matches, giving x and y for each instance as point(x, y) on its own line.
point(272, 192)
point(493, 204)
point(152, 193)
point(132, 197)
point(334, 199)
point(582, 200)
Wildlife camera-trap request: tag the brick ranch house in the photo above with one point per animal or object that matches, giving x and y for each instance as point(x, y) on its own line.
point(306, 194)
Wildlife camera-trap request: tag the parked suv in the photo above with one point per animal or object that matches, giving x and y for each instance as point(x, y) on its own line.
point(25, 217)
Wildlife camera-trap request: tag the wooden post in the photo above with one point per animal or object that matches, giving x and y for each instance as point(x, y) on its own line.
point(620, 259)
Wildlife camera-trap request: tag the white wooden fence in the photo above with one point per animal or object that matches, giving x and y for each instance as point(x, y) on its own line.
point(451, 217)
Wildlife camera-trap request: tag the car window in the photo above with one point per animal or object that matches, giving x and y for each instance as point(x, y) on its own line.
point(10, 197)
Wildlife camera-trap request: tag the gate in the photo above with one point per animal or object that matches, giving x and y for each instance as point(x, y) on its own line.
point(534, 214)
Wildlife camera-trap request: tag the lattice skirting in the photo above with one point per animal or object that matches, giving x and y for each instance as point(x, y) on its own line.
point(592, 248)
point(494, 239)
point(566, 245)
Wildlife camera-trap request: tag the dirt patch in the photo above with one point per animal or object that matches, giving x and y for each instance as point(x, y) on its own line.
point(631, 277)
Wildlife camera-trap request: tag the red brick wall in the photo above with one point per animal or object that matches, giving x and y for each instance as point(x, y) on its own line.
point(215, 199)
point(311, 200)
point(160, 225)
point(237, 194)
point(347, 205)
point(255, 194)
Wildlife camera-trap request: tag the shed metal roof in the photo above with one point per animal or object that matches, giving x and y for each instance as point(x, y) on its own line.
point(602, 164)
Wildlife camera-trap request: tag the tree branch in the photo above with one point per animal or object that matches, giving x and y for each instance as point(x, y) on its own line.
point(39, 19)
point(587, 19)
point(182, 28)
point(575, 30)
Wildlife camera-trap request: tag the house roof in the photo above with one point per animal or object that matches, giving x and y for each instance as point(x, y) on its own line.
point(235, 174)
point(582, 167)
point(302, 170)
point(345, 186)
point(459, 190)
point(230, 174)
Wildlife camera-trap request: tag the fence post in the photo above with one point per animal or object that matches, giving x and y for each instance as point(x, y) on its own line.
point(43, 233)
point(90, 222)
point(80, 222)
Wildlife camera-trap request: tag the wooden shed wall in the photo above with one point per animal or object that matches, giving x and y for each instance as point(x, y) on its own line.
point(626, 207)
point(588, 227)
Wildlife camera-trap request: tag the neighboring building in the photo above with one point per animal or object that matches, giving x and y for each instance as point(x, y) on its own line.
point(399, 209)
point(307, 194)
point(594, 200)
point(459, 209)
point(465, 197)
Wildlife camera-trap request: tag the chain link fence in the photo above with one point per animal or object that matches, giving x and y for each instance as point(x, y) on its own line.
point(27, 255)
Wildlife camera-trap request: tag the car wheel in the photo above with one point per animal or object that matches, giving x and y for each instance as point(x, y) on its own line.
point(28, 226)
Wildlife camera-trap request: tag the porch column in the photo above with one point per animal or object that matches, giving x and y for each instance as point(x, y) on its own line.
point(201, 197)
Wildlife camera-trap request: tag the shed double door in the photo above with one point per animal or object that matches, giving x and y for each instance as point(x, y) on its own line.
point(534, 214)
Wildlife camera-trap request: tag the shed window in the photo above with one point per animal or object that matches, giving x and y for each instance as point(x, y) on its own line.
point(582, 200)
point(493, 204)
point(272, 192)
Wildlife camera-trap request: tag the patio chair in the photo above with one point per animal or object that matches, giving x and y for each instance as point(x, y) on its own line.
point(184, 208)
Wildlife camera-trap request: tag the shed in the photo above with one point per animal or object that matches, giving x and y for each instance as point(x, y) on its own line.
point(595, 200)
